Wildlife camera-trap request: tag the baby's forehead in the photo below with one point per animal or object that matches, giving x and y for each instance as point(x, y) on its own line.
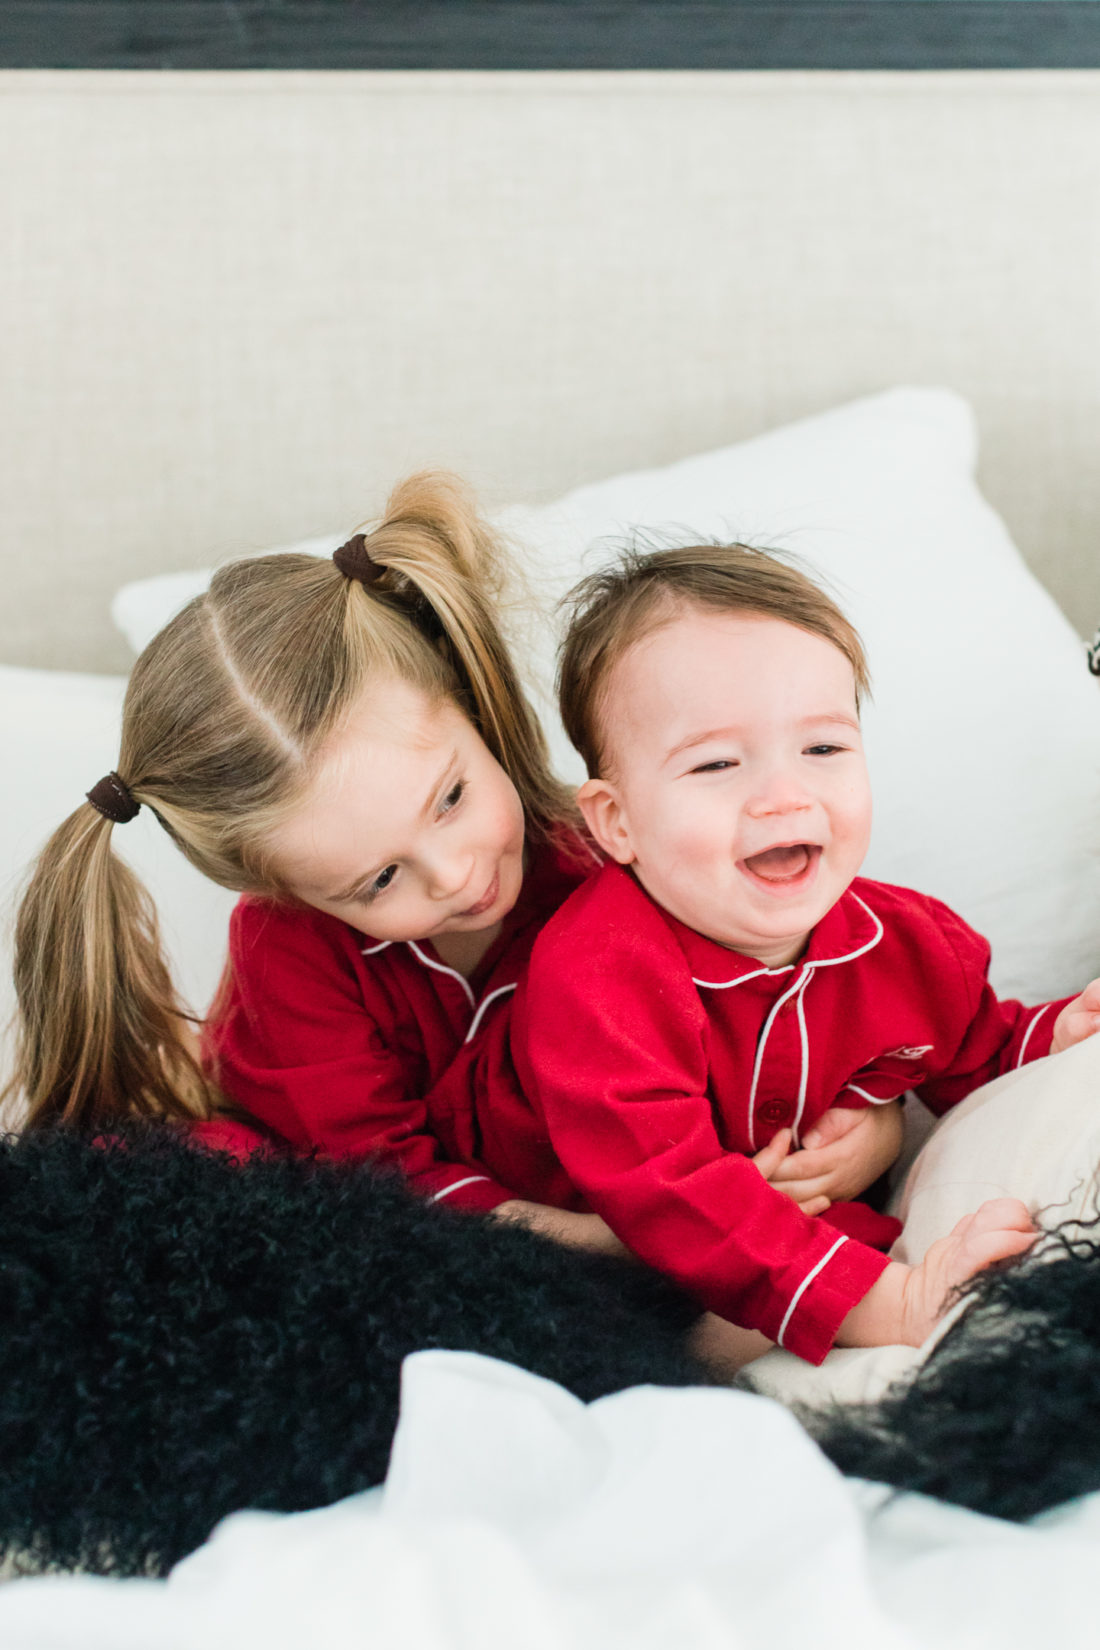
point(697, 664)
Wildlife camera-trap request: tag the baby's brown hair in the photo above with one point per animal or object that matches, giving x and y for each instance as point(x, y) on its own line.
point(614, 609)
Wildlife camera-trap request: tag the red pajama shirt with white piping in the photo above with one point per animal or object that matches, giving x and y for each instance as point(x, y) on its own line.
point(335, 1042)
point(641, 1063)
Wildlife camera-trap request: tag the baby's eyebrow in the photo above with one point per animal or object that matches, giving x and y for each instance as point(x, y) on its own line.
point(733, 730)
point(704, 738)
point(844, 718)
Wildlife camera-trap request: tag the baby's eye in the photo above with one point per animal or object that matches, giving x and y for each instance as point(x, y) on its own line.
point(382, 882)
point(718, 766)
point(824, 750)
point(453, 797)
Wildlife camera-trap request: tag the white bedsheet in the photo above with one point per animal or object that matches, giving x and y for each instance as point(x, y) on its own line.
point(516, 1517)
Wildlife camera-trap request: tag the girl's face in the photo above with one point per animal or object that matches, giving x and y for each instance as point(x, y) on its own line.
point(410, 829)
point(736, 786)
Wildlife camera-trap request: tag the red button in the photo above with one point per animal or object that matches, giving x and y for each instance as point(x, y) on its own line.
point(776, 1111)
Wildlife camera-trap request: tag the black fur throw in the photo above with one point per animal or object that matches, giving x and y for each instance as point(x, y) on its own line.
point(1004, 1417)
point(181, 1336)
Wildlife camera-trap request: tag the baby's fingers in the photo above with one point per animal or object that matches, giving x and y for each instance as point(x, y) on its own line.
point(815, 1206)
point(833, 1126)
point(807, 1165)
point(1000, 1228)
point(769, 1158)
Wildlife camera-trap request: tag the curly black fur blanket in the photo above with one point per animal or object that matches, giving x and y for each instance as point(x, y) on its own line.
point(182, 1336)
point(1004, 1416)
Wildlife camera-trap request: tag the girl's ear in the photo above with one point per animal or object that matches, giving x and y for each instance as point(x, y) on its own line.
point(606, 819)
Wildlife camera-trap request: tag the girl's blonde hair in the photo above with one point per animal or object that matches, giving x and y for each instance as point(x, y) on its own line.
point(225, 714)
point(612, 610)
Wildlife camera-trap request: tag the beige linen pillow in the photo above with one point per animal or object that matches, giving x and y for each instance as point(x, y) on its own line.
point(1032, 1134)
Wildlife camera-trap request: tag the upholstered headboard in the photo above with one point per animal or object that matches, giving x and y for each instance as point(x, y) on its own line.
point(239, 305)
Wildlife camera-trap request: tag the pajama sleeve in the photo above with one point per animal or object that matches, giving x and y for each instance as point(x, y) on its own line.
point(999, 1034)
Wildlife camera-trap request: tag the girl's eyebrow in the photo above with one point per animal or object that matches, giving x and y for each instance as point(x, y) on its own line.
point(361, 882)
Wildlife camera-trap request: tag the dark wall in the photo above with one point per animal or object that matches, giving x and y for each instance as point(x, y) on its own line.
point(549, 34)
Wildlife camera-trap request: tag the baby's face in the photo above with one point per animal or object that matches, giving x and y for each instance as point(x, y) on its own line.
point(737, 784)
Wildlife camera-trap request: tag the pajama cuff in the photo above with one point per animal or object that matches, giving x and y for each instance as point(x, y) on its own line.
point(836, 1283)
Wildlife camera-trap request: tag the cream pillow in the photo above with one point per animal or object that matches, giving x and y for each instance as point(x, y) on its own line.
point(1032, 1134)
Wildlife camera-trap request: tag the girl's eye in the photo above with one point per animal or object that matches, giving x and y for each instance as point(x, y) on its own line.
point(382, 881)
point(716, 767)
point(453, 797)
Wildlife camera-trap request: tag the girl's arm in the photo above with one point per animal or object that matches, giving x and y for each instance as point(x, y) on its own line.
point(563, 1225)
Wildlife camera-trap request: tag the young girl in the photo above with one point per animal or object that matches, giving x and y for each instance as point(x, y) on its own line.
point(726, 983)
point(345, 741)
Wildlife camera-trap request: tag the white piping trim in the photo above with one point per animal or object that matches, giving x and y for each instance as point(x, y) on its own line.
point(804, 1038)
point(457, 1185)
point(482, 1006)
point(818, 962)
point(804, 1285)
point(875, 1100)
point(373, 950)
point(724, 985)
point(1027, 1035)
point(827, 962)
point(776, 1006)
point(441, 968)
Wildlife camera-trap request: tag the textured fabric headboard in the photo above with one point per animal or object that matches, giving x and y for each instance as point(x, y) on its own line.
point(237, 306)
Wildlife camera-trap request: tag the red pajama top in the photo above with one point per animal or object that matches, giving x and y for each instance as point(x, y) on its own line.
point(335, 1041)
point(641, 1062)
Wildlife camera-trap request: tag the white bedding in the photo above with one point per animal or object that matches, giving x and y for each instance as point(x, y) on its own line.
point(516, 1517)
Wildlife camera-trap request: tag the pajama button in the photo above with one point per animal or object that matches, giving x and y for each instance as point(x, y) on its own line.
point(775, 1111)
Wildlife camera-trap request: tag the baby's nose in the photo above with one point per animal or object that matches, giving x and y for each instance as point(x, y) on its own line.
point(779, 792)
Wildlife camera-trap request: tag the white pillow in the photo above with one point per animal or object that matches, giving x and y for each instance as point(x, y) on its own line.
point(58, 735)
point(984, 732)
point(1032, 1134)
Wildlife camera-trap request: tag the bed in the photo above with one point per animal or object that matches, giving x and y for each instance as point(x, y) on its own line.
point(853, 314)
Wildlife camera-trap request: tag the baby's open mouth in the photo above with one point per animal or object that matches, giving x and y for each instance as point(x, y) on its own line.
point(784, 864)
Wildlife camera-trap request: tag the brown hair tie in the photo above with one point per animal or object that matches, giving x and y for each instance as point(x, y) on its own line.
point(356, 562)
point(113, 799)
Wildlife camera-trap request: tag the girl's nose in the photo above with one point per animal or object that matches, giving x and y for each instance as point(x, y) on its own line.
point(448, 877)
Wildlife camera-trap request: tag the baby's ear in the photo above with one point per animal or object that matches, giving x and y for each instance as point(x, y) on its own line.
point(603, 813)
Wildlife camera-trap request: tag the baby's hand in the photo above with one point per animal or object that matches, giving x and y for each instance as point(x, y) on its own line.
point(906, 1302)
point(843, 1154)
point(772, 1159)
point(1078, 1020)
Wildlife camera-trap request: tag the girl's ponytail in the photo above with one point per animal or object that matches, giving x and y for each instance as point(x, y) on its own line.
point(444, 562)
point(101, 1032)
